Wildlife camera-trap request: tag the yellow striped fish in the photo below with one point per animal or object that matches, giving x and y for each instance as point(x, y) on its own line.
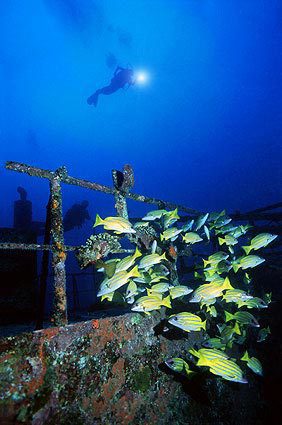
point(259, 241)
point(150, 260)
point(179, 365)
point(187, 322)
point(228, 370)
point(127, 262)
point(210, 290)
point(119, 279)
point(118, 224)
point(150, 303)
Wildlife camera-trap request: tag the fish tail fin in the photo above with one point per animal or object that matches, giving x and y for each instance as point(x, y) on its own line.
point(237, 329)
point(137, 253)
point(189, 372)
point(228, 316)
point(174, 213)
point(163, 257)
point(247, 249)
point(194, 352)
point(134, 272)
point(206, 262)
point(161, 237)
point(236, 267)
point(204, 325)
point(98, 221)
point(227, 284)
point(202, 361)
point(245, 357)
point(166, 302)
point(221, 241)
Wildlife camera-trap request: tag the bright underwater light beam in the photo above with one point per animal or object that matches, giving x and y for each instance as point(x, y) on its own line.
point(141, 77)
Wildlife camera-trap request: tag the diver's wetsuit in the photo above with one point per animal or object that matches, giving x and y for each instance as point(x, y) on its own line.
point(122, 76)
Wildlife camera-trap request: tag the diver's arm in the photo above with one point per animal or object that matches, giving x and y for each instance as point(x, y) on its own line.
point(118, 68)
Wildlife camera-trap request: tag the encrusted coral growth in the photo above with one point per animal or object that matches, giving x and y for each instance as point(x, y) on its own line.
point(97, 247)
point(102, 371)
point(145, 234)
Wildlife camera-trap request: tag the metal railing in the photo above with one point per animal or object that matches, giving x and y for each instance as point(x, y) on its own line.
point(54, 233)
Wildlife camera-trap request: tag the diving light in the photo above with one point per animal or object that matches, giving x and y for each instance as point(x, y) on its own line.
point(141, 77)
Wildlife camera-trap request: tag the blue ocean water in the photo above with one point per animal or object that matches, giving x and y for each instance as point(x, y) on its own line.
point(204, 130)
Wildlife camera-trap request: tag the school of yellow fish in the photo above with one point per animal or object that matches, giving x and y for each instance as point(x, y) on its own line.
point(218, 293)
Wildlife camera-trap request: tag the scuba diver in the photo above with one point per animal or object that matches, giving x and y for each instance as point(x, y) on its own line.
point(121, 78)
point(76, 216)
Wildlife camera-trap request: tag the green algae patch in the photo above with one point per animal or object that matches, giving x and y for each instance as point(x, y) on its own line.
point(136, 319)
point(141, 380)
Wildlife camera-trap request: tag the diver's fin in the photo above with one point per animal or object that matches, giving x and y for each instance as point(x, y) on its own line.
point(93, 100)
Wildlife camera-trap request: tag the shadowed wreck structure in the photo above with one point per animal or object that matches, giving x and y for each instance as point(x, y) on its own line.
point(110, 370)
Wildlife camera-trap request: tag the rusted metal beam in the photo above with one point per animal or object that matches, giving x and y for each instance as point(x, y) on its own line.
point(65, 178)
point(59, 314)
point(38, 247)
point(27, 246)
point(257, 216)
point(268, 207)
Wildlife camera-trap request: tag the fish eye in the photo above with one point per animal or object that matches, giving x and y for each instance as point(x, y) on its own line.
point(175, 318)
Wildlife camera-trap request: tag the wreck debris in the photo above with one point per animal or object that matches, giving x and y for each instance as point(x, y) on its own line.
point(145, 234)
point(97, 247)
point(38, 172)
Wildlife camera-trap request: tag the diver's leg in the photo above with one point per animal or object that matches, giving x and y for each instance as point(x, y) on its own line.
point(108, 89)
point(93, 100)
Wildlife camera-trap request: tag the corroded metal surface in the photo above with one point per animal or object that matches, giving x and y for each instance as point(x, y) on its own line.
point(103, 370)
point(38, 172)
point(59, 315)
point(110, 372)
point(120, 190)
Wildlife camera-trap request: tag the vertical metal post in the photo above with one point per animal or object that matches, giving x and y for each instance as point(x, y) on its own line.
point(59, 314)
point(123, 183)
point(120, 200)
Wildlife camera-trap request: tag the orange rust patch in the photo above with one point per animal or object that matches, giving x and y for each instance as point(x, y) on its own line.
point(172, 251)
point(36, 382)
point(6, 357)
point(125, 409)
point(62, 255)
point(118, 370)
point(55, 204)
point(49, 333)
point(99, 408)
point(95, 324)
point(116, 381)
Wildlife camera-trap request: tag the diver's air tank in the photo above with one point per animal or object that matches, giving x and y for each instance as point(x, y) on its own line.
point(22, 211)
